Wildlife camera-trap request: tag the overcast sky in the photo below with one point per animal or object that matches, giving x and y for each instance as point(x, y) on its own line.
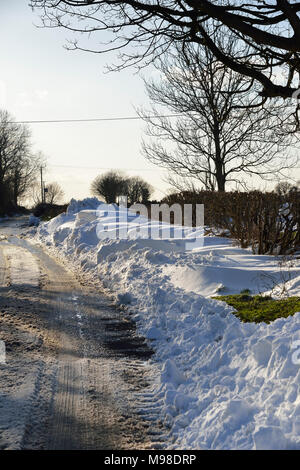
point(42, 80)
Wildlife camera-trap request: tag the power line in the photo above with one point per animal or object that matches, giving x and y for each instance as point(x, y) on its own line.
point(119, 118)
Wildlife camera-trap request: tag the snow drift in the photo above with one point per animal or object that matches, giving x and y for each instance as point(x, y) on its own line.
point(224, 384)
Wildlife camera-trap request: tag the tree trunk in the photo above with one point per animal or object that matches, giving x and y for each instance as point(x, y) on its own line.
point(220, 175)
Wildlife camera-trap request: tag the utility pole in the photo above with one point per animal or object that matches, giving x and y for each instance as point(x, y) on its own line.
point(42, 185)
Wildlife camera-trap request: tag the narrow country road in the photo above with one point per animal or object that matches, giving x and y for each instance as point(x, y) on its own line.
point(77, 375)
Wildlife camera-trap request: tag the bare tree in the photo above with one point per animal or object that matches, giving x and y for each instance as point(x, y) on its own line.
point(223, 132)
point(270, 28)
point(113, 184)
point(182, 184)
point(54, 193)
point(283, 188)
point(35, 193)
point(18, 165)
point(109, 186)
point(138, 190)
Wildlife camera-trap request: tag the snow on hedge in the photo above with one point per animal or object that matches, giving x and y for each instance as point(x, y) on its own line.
point(224, 384)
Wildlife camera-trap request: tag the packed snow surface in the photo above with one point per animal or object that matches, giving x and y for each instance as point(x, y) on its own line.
point(23, 268)
point(224, 384)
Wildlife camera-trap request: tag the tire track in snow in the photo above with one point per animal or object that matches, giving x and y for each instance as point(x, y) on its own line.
point(101, 363)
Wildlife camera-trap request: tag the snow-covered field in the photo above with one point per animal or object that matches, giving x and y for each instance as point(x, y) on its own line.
point(224, 384)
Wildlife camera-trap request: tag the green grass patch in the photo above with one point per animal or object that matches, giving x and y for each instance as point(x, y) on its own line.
point(260, 308)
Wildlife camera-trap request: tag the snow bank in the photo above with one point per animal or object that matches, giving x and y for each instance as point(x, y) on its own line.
point(224, 384)
point(76, 206)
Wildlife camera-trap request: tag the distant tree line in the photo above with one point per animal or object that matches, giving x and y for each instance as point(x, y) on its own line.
point(113, 184)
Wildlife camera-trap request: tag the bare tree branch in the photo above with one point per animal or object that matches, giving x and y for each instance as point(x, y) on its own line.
point(270, 29)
